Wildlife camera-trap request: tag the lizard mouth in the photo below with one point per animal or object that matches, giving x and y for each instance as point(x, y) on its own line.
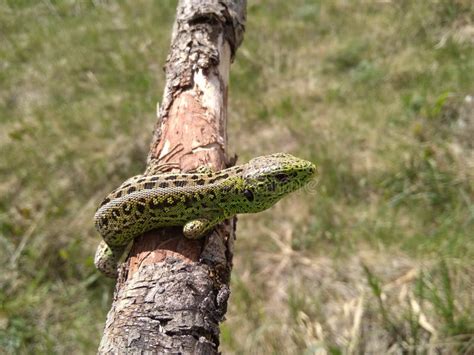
point(286, 183)
point(306, 172)
point(311, 170)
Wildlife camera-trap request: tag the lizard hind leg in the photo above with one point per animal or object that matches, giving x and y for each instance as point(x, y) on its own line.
point(105, 260)
point(198, 228)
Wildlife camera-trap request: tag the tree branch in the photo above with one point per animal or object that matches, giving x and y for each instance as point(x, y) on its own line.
point(172, 292)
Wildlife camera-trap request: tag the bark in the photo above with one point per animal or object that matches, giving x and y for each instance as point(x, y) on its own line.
point(172, 292)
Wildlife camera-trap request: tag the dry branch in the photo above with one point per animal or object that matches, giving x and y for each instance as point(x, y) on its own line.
point(172, 292)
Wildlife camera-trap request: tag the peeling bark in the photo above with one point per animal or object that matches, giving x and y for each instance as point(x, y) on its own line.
point(172, 292)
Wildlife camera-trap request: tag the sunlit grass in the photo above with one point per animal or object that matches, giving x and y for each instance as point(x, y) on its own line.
point(377, 258)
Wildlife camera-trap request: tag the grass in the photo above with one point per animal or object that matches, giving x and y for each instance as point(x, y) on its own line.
point(376, 258)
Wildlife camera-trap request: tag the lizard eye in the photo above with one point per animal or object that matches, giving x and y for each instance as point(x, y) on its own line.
point(281, 177)
point(248, 195)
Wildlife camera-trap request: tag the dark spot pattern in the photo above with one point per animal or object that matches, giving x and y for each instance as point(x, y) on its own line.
point(132, 189)
point(154, 203)
point(107, 200)
point(164, 185)
point(149, 185)
point(189, 202)
point(171, 177)
point(127, 209)
point(180, 183)
point(140, 208)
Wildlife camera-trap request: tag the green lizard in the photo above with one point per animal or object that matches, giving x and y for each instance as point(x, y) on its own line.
point(197, 201)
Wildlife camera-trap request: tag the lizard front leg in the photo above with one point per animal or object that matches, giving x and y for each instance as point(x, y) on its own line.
point(106, 260)
point(198, 228)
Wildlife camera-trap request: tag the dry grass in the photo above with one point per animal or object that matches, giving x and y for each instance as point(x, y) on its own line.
point(377, 258)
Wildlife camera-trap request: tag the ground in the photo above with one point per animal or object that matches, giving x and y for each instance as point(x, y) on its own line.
point(374, 257)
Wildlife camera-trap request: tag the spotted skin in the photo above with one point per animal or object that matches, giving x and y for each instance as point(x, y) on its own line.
point(197, 201)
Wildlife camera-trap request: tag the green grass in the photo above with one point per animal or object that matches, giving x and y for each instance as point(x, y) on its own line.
point(377, 257)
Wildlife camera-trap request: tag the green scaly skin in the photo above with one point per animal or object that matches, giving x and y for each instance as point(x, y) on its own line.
point(196, 201)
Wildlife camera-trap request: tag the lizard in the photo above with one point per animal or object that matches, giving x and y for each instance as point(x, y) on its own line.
point(198, 201)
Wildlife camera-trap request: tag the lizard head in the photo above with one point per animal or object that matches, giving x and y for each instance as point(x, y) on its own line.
point(269, 178)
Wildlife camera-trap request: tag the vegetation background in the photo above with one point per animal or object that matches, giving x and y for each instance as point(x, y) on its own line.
point(380, 94)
